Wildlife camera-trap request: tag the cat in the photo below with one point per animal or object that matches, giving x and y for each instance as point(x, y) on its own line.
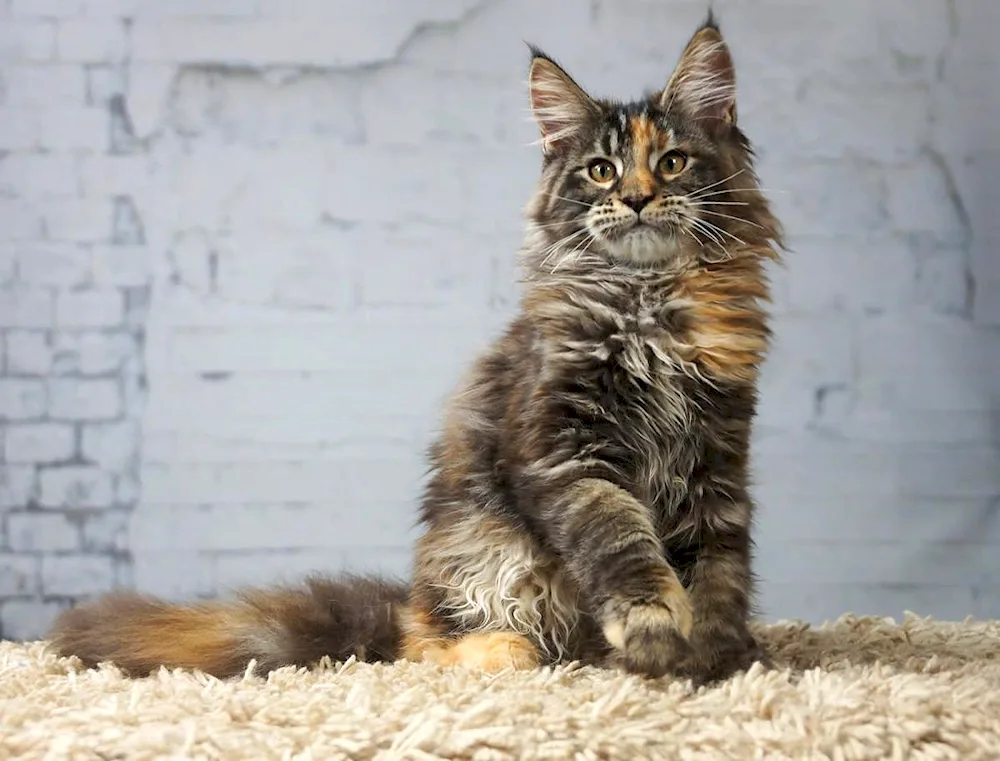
point(588, 494)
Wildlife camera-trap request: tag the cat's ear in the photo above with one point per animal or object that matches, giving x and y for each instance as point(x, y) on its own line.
point(704, 82)
point(559, 105)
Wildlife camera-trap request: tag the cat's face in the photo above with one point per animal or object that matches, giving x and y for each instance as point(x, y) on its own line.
point(648, 181)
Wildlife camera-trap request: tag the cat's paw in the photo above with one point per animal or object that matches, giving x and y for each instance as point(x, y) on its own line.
point(714, 658)
point(651, 638)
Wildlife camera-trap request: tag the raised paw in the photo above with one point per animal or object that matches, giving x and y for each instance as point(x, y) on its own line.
point(651, 638)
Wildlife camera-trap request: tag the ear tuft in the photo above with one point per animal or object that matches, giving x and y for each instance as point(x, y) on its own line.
point(704, 82)
point(560, 106)
point(710, 21)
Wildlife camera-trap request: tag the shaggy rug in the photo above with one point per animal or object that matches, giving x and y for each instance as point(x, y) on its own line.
point(860, 688)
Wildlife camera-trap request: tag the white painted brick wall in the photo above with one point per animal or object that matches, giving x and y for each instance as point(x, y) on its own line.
point(247, 247)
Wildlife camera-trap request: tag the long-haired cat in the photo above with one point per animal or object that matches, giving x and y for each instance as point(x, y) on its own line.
point(589, 495)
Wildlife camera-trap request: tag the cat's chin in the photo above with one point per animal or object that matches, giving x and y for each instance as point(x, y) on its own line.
point(644, 245)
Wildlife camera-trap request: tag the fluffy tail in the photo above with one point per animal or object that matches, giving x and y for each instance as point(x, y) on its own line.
point(340, 617)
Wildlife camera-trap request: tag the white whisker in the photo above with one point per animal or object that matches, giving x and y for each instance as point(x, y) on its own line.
point(553, 249)
point(699, 225)
point(566, 257)
point(698, 192)
point(549, 225)
point(569, 200)
point(738, 190)
point(730, 216)
point(723, 231)
point(586, 248)
point(693, 237)
point(726, 256)
point(717, 203)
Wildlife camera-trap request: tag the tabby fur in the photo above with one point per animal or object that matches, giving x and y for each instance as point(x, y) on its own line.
point(588, 495)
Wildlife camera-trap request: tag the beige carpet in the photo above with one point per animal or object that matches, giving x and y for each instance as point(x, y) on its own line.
point(862, 688)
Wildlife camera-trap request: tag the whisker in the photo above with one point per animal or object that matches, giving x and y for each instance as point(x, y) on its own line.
point(730, 216)
point(717, 203)
point(713, 230)
point(553, 249)
point(699, 225)
point(573, 200)
point(724, 179)
point(549, 225)
point(559, 242)
point(569, 200)
point(579, 251)
point(563, 259)
point(738, 190)
point(726, 256)
point(723, 231)
point(564, 239)
point(583, 247)
point(726, 232)
point(551, 254)
point(713, 244)
point(692, 236)
point(693, 222)
point(586, 248)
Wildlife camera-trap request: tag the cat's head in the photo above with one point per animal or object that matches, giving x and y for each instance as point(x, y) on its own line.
point(664, 178)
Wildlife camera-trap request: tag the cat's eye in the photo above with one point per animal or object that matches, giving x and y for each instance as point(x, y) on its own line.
point(672, 163)
point(602, 171)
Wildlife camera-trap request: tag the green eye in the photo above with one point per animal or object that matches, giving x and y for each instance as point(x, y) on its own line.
point(602, 171)
point(672, 163)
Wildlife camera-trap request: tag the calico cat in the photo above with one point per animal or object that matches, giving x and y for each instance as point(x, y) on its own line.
point(588, 495)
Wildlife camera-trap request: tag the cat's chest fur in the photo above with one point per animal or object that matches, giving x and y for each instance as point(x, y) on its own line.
point(650, 358)
point(636, 338)
point(620, 346)
point(645, 388)
point(640, 341)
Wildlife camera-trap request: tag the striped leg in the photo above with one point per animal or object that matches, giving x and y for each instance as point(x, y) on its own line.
point(720, 594)
point(610, 546)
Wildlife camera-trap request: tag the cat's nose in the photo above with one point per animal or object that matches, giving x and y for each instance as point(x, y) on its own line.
point(636, 203)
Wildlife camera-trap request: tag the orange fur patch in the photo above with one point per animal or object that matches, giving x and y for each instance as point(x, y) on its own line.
point(204, 637)
point(489, 651)
point(727, 335)
point(494, 651)
point(642, 129)
point(423, 638)
point(645, 136)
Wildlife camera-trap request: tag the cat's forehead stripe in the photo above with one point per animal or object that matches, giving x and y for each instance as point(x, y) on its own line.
point(642, 133)
point(633, 133)
point(647, 137)
point(643, 130)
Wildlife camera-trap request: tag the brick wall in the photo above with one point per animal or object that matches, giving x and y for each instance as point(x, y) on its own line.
point(246, 247)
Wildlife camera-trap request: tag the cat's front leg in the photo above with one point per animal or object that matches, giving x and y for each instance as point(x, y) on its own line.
point(610, 547)
point(720, 589)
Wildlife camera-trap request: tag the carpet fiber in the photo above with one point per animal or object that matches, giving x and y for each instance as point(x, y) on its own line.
point(861, 688)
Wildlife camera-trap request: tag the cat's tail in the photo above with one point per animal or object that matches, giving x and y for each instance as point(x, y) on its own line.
point(349, 615)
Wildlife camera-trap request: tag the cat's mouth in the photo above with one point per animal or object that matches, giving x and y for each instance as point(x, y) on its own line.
point(639, 226)
point(643, 243)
